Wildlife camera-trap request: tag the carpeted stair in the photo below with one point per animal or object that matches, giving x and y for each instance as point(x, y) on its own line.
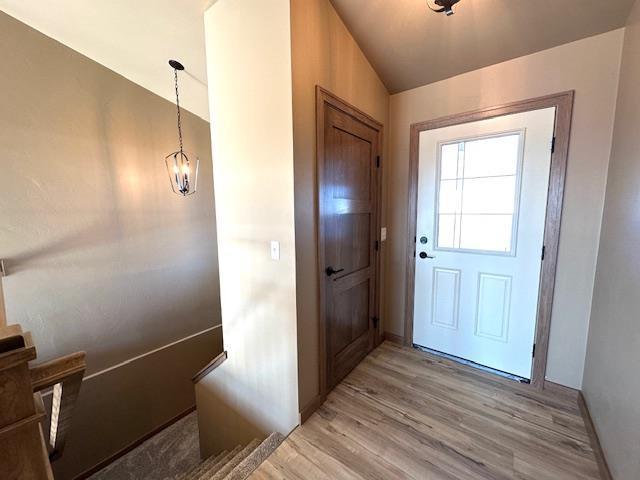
point(237, 464)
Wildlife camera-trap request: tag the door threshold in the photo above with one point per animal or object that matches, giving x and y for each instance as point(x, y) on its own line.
point(464, 361)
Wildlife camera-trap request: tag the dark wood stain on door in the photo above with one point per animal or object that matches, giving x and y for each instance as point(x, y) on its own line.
point(349, 144)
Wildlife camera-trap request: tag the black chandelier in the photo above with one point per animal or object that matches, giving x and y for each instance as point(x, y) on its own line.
point(441, 6)
point(183, 172)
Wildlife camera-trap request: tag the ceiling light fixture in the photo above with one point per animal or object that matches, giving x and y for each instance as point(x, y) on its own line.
point(445, 6)
point(183, 173)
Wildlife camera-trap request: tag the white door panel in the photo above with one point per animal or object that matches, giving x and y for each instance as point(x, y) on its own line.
point(446, 298)
point(493, 307)
point(482, 195)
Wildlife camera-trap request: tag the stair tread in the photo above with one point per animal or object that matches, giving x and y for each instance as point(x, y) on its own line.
point(211, 465)
point(256, 457)
point(209, 462)
point(207, 473)
point(235, 461)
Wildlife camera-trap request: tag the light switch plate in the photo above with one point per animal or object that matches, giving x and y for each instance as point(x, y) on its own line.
point(275, 250)
point(383, 234)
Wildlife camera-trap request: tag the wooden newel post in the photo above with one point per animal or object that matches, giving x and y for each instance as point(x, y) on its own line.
point(23, 452)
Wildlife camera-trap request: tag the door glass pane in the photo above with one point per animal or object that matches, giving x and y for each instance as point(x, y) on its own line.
point(447, 231)
point(449, 161)
point(449, 196)
point(486, 232)
point(492, 156)
point(488, 195)
point(478, 190)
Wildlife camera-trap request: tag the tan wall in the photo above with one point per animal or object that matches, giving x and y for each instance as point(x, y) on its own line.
point(255, 391)
point(323, 53)
point(101, 255)
point(611, 380)
point(590, 67)
point(120, 406)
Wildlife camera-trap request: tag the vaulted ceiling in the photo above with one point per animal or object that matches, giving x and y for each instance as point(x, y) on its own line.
point(407, 44)
point(410, 46)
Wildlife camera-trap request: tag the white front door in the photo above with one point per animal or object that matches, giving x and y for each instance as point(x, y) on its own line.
point(482, 196)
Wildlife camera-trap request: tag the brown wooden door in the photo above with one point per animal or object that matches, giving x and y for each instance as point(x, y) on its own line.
point(348, 195)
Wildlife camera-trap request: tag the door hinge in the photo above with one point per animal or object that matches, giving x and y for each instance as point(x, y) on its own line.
point(543, 252)
point(375, 321)
point(553, 144)
point(377, 245)
point(378, 161)
point(533, 351)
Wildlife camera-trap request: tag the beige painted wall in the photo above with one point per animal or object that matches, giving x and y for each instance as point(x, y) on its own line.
point(324, 53)
point(101, 255)
point(255, 391)
point(120, 406)
point(611, 381)
point(590, 67)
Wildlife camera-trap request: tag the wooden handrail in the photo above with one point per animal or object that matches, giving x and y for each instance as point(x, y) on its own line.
point(47, 374)
point(64, 374)
point(210, 367)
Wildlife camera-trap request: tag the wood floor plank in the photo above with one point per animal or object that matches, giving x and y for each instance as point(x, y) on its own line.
point(267, 472)
point(486, 417)
point(545, 415)
point(424, 433)
point(406, 414)
point(322, 461)
point(332, 441)
point(407, 447)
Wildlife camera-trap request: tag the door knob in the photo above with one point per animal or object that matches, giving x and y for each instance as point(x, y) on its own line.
point(425, 255)
point(330, 271)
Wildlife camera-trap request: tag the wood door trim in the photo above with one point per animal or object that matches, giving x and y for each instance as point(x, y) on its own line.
point(562, 131)
point(324, 98)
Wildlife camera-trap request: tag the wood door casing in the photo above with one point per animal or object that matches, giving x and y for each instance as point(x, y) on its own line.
point(348, 202)
point(564, 111)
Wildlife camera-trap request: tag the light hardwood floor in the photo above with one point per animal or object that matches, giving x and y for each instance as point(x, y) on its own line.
point(406, 414)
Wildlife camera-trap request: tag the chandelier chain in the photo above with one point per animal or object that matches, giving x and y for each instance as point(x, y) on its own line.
point(175, 73)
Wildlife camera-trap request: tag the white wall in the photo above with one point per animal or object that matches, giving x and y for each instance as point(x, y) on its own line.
point(590, 67)
point(611, 378)
point(132, 38)
point(255, 391)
